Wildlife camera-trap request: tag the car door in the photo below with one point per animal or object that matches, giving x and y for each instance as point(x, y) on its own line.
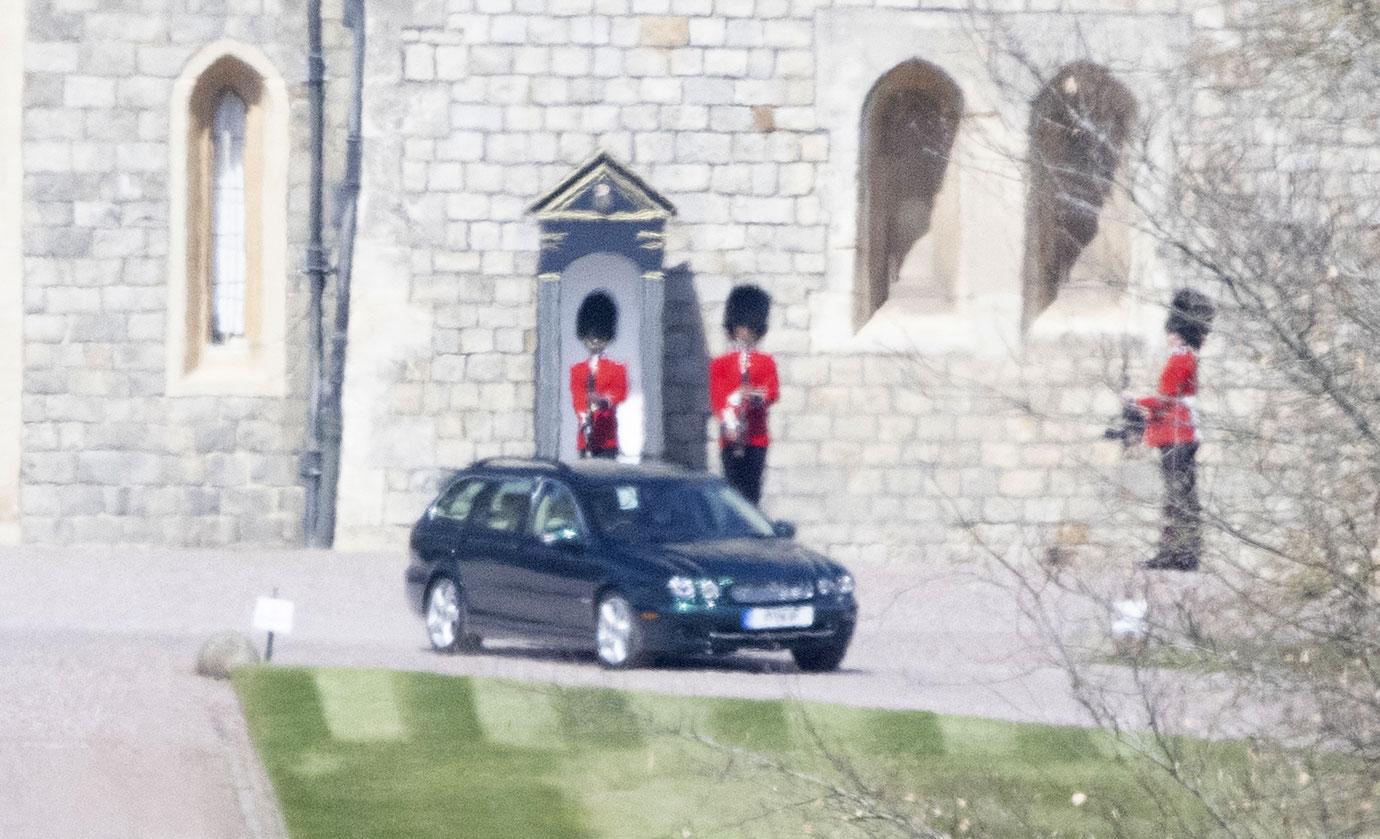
point(493, 550)
point(442, 534)
point(561, 570)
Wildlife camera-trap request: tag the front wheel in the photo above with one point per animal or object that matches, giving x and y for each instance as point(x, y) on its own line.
point(446, 618)
point(617, 635)
point(820, 657)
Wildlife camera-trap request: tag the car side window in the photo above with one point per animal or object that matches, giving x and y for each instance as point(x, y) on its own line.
point(507, 507)
point(557, 514)
point(459, 499)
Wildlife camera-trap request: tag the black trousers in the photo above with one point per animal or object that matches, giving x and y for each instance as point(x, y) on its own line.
point(608, 454)
point(1181, 537)
point(743, 469)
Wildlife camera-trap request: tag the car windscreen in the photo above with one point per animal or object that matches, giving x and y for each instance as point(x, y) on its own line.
point(665, 511)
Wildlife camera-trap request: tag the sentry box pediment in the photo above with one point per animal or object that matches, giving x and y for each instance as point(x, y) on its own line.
point(602, 189)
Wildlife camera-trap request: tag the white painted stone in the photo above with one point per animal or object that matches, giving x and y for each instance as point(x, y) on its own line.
point(708, 31)
point(88, 92)
point(687, 62)
point(660, 90)
point(572, 61)
point(419, 62)
point(730, 62)
point(52, 57)
point(451, 62)
point(508, 29)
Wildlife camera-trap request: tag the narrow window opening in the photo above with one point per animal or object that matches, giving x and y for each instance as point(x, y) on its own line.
point(225, 232)
point(227, 219)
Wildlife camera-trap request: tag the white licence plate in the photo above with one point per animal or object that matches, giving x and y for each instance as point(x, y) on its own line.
point(778, 617)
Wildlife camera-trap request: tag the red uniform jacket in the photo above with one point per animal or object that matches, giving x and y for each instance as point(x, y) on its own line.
point(1169, 414)
point(725, 375)
point(611, 383)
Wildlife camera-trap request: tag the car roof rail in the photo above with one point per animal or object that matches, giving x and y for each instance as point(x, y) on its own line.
point(522, 462)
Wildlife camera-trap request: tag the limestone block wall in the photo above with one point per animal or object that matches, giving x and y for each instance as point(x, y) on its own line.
point(11, 266)
point(108, 455)
point(917, 435)
point(733, 111)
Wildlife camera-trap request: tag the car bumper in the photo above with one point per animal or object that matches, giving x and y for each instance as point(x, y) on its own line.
point(721, 628)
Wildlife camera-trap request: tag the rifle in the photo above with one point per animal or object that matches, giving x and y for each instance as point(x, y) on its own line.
point(738, 431)
point(587, 425)
point(1128, 427)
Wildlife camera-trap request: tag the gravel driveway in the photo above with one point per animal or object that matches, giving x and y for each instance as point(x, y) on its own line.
point(108, 733)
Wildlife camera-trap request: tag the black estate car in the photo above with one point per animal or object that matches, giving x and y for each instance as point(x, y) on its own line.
point(633, 560)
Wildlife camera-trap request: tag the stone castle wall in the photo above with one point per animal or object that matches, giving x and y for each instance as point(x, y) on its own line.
point(734, 112)
point(108, 455)
point(744, 113)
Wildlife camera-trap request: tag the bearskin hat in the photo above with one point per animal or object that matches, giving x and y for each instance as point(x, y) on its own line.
point(1190, 317)
point(747, 306)
point(597, 318)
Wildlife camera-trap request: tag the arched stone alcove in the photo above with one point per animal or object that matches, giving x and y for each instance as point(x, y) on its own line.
point(908, 209)
point(1077, 243)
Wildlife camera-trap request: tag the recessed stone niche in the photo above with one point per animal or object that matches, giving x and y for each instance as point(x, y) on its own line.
point(1077, 249)
point(908, 209)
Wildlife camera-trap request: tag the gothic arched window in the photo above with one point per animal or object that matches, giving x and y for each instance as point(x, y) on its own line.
point(907, 227)
point(1079, 124)
point(224, 185)
point(227, 248)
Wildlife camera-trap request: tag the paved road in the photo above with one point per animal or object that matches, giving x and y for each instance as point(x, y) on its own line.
point(107, 732)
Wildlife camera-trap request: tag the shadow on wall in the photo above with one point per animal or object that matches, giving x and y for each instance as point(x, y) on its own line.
point(685, 407)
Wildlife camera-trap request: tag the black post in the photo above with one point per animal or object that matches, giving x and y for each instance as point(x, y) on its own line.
point(316, 276)
point(268, 648)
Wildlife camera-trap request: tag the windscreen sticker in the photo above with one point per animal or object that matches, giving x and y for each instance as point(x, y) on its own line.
point(627, 498)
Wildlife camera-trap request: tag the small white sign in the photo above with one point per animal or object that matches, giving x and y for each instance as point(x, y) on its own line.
point(1128, 619)
point(273, 614)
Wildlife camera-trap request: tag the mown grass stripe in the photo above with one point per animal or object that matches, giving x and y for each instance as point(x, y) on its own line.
point(369, 754)
point(360, 706)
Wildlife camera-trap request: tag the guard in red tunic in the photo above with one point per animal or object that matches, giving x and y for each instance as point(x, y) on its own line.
point(598, 384)
point(1171, 426)
point(742, 385)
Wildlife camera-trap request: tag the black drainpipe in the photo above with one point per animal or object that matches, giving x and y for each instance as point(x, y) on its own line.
point(316, 276)
point(331, 419)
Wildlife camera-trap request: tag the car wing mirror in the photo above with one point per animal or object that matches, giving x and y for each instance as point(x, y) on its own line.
point(567, 538)
point(784, 529)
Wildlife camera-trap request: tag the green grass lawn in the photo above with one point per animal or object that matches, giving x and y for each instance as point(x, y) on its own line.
point(372, 753)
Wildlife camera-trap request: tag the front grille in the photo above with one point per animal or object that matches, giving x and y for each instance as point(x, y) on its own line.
point(770, 592)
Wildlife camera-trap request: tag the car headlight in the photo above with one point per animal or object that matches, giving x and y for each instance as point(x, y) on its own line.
point(685, 588)
point(681, 588)
point(828, 586)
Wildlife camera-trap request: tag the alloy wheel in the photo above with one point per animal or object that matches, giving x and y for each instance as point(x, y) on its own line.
point(615, 634)
point(443, 614)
